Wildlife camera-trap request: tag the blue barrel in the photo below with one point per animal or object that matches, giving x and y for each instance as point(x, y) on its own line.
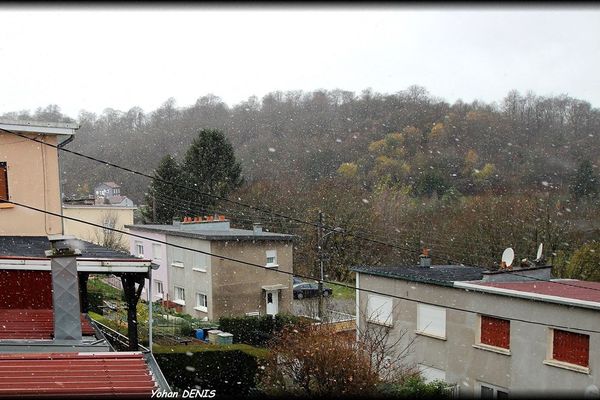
point(199, 334)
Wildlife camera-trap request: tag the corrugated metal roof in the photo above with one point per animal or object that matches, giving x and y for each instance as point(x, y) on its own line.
point(33, 324)
point(75, 375)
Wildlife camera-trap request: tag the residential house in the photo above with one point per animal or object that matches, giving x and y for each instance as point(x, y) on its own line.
point(109, 193)
point(152, 247)
point(209, 284)
point(107, 189)
point(492, 333)
point(48, 344)
point(108, 216)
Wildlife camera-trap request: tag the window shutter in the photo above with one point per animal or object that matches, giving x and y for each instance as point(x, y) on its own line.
point(495, 332)
point(571, 347)
point(3, 182)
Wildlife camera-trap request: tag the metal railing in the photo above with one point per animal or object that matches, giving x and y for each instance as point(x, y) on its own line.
point(117, 339)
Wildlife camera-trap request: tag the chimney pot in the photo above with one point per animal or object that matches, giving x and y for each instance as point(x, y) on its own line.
point(257, 227)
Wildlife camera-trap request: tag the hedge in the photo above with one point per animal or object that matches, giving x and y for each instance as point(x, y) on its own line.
point(256, 331)
point(229, 370)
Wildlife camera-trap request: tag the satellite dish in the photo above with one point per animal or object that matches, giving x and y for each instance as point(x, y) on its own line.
point(508, 256)
point(539, 253)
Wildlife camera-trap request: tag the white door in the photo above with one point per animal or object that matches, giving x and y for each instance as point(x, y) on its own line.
point(272, 298)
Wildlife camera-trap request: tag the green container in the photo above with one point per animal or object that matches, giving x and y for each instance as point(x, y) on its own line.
point(225, 338)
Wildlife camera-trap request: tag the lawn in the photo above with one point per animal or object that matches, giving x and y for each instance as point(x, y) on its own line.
point(342, 292)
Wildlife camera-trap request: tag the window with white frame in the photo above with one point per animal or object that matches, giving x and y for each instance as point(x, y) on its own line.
point(488, 391)
point(179, 295)
point(156, 251)
point(177, 257)
point(379, 309)
point(431, 374)
point(199, 262)
point(159, 288)
point(271, 258)
point(201, 302)
point(431, 320)
point(139, 249)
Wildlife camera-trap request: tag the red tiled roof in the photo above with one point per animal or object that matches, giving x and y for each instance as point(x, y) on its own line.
point(570, 289)
point(75, 374)
point(32, 324)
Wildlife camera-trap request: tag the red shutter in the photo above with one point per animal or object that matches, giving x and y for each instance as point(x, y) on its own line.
point(495, 332)
point(3, 182)
point(570, 347)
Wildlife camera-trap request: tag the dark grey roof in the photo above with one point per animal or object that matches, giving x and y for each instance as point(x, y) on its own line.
point(436, 274)
point(229, 234)
point(34, 246)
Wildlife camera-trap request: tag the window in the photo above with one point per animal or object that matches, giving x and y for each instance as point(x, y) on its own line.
point(431, 320)
point(179, 295)
point(159, 287)
point(271, 258)
point(156, 250)
point(199, 262)
point(495, 332)
point(379, 310)
point(139, 249)
point(431, 374)
point(201, 302)
point(571, 347)
point(177, 257)
point(488, 391)
point(3, 182)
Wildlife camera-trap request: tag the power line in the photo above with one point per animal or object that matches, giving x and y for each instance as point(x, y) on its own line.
point(314, 224)
point(290, 273)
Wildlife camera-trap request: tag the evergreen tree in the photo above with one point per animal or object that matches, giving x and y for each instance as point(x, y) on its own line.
point(162, 198)
point(210, 167)
point(584, 182)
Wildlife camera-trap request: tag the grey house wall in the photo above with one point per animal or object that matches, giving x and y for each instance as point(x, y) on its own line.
point(521, 371)
point(192, 281)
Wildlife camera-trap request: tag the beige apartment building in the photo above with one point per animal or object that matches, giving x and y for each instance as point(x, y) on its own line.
point(492, 334)
point(211, 286)
point(105, 215)
point(29, 174)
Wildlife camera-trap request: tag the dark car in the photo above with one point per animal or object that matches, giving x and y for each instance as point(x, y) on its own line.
point(305, 289)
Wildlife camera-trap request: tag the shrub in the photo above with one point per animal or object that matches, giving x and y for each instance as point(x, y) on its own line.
point(229, 371)
point(255, 330)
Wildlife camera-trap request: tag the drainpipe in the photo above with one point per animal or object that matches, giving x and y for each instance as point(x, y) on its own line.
point(65, 288)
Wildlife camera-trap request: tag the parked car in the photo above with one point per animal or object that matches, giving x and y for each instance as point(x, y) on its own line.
point(305, 289)
point(296, 280)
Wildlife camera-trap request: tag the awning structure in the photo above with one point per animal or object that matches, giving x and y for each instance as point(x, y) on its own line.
point(63, 375)
point(278, 286)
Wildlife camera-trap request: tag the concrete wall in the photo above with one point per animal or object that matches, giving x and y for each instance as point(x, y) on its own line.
point(97, 214)
point(161, 274)
point(237, 288)
point(188, 274)
point(521, 371)
point(33, 179)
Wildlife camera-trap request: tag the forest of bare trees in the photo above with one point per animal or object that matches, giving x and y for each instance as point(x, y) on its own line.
point(465, 179)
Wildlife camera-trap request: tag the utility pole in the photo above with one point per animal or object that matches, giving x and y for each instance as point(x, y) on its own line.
point(153, 209)
point(320, 256)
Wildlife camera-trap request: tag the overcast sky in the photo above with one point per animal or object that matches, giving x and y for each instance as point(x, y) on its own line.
point(93, 58)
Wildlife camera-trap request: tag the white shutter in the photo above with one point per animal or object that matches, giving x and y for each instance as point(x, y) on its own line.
point(431, 320)
point(379, 309)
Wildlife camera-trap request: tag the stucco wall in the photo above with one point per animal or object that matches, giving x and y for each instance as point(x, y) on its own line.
point(161, 274)
point(96, 214)
point(521, 371)
point(33, 179)
point(237, 288)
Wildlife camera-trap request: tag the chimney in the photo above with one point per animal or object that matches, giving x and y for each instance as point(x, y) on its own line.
point(65, 288)
point(425, 260)
point(257, 228)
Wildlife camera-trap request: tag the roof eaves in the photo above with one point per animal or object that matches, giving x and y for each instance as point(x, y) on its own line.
point(402, 277)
